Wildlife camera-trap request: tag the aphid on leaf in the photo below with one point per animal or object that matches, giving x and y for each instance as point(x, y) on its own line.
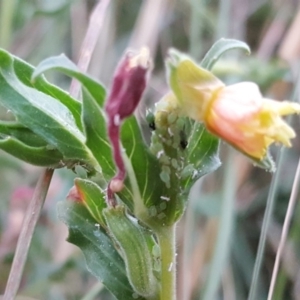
point(183, 140)
point(151, 120)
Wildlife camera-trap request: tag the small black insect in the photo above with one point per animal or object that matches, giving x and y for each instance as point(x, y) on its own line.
point(183, 140)
point(152, 125)
point(151, 120)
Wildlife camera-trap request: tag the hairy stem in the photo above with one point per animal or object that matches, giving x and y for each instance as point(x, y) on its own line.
point(29, 223)
point(166, 238)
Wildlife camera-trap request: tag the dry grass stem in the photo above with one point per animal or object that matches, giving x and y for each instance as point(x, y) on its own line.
point(24, 241)
point(89, 42)
point(285, 229)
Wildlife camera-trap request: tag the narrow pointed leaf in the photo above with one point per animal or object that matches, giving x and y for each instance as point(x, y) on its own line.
point(96, 134)
point(219, 48)
point(39, 156)
point(21, 133)
point(24, 71)
point(66, 66)
point(144, 163)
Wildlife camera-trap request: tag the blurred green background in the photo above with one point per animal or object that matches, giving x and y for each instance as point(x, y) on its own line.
point(36, 29)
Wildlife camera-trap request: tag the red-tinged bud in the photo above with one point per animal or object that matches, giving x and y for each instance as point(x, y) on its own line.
point(129, 83)
point(74, 195)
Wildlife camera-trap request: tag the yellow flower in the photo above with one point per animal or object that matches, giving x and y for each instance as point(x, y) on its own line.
point(236, 113)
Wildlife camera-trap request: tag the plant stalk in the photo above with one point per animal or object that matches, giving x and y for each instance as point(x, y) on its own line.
point(286, 225)
point(166, 239)
point(223, 19)
point(90, 41)
point(196, 27)
point(225, 230)
point(31, 217)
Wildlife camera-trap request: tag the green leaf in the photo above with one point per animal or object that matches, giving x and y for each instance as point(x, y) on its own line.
point(24, 72)
point(45, 116)
point(219, 48)
point(21, 133)
point(66, 66)
point(145, 165)
point(102, 259)
point(39, 156)
point(92, 197)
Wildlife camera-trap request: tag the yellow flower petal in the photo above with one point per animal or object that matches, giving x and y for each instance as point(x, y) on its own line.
point(193, 87)
point(282, 107)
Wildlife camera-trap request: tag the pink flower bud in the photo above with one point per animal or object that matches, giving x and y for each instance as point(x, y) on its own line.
point(128, 85)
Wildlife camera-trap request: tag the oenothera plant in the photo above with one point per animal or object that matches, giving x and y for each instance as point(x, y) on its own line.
point(123, 214)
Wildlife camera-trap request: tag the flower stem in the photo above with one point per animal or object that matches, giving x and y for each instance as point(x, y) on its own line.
point(166, 239)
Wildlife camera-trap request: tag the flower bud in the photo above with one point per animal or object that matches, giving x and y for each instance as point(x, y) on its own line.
point(128, 85)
